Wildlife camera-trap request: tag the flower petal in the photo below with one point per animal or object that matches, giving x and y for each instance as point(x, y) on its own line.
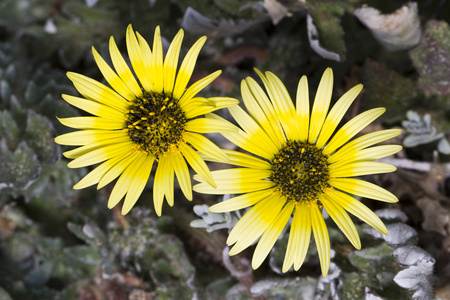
point(197, 163)
point(94, 108)
point(182, 172)
point(117, 169)
point(187, 67)
point(363, 189)
point(91, 123)
point(321, 238)
point(352, 127)
point(362, 142)
point(240, 202)
point(358, 209)
point(341, 218)
point(372, 153)
point(138, 183)
point(94, 90)
point(112, 78)
point(171, 62)
point(136, 58)
point(95, 175)
point(205, 146)
point(271, 235)
point(362, 168)
point(122, 69)
point(336, 113)
point(299, 237)
point(303, 109)
point(254, 223)
point(321, 105)
point(124, 183)
point(197, 87)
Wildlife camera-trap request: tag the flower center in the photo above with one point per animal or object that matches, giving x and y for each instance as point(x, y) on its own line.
point(300, 171)
point(155, 123)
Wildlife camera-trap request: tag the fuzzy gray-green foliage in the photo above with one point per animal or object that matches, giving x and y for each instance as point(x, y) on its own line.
point(60, 243)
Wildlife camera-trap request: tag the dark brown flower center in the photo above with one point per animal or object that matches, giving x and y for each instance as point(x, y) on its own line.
point(300, 171)
point(155, 123)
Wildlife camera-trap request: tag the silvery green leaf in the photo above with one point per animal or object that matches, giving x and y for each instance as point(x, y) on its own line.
point(413, 116)
point(91, 3)
point(328, 286)
point(444, 146)
point(391, 214)
point(18, 169)
point(427, 120)
point(40, 275)
point(398, 233)
point(289, 288)
point(418, 275)
point(413, 255)
point(196, 22)
point(40, 137)
point(397, 31)
point(5, 92)
point(413, 140)
point(313, 37)
point(9, 129)
point(4, 294)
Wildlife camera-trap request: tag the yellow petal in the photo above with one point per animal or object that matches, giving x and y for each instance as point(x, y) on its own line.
point(187, 67)
point(99, 155)
point(361, 168)
point(171, 62)
point(182, 172)
point(299, 238)
point(157, 67)
point(372, 153)
point(341, 218)
point(137, 184)
point(205, 146)
point(358, 209)
point(321, 105)
point(122, 69)
point(362, 142)
point(336, 113)
point(117, 169)
point(303, 108)
point(137, 58)
point(352, 127)
point(254, 223)
point(84, 137)
point(204, 125)
point(94, 108)
point(94, 90)
point(112, 78)
point(321, 238)
point(92, 123)
point(271, 235)
point(95, 175)
point(197, 163)
point(240, 202)
point(125, 180)
point(197, 87)
point(363, 189)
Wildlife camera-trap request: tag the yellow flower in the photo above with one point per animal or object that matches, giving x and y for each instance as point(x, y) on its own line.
point(300, 169)
point(144, 118)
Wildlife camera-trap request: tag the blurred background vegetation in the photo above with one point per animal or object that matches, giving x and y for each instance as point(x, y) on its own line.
point(57, 243)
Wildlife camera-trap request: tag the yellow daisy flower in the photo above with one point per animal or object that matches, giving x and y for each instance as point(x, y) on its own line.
point(298, 168)
point(147, 116)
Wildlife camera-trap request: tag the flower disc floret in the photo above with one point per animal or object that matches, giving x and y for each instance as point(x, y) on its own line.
point(300, 171)
point(155, 123)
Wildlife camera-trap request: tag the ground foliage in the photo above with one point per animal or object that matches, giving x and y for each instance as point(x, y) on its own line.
point(57, 243)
